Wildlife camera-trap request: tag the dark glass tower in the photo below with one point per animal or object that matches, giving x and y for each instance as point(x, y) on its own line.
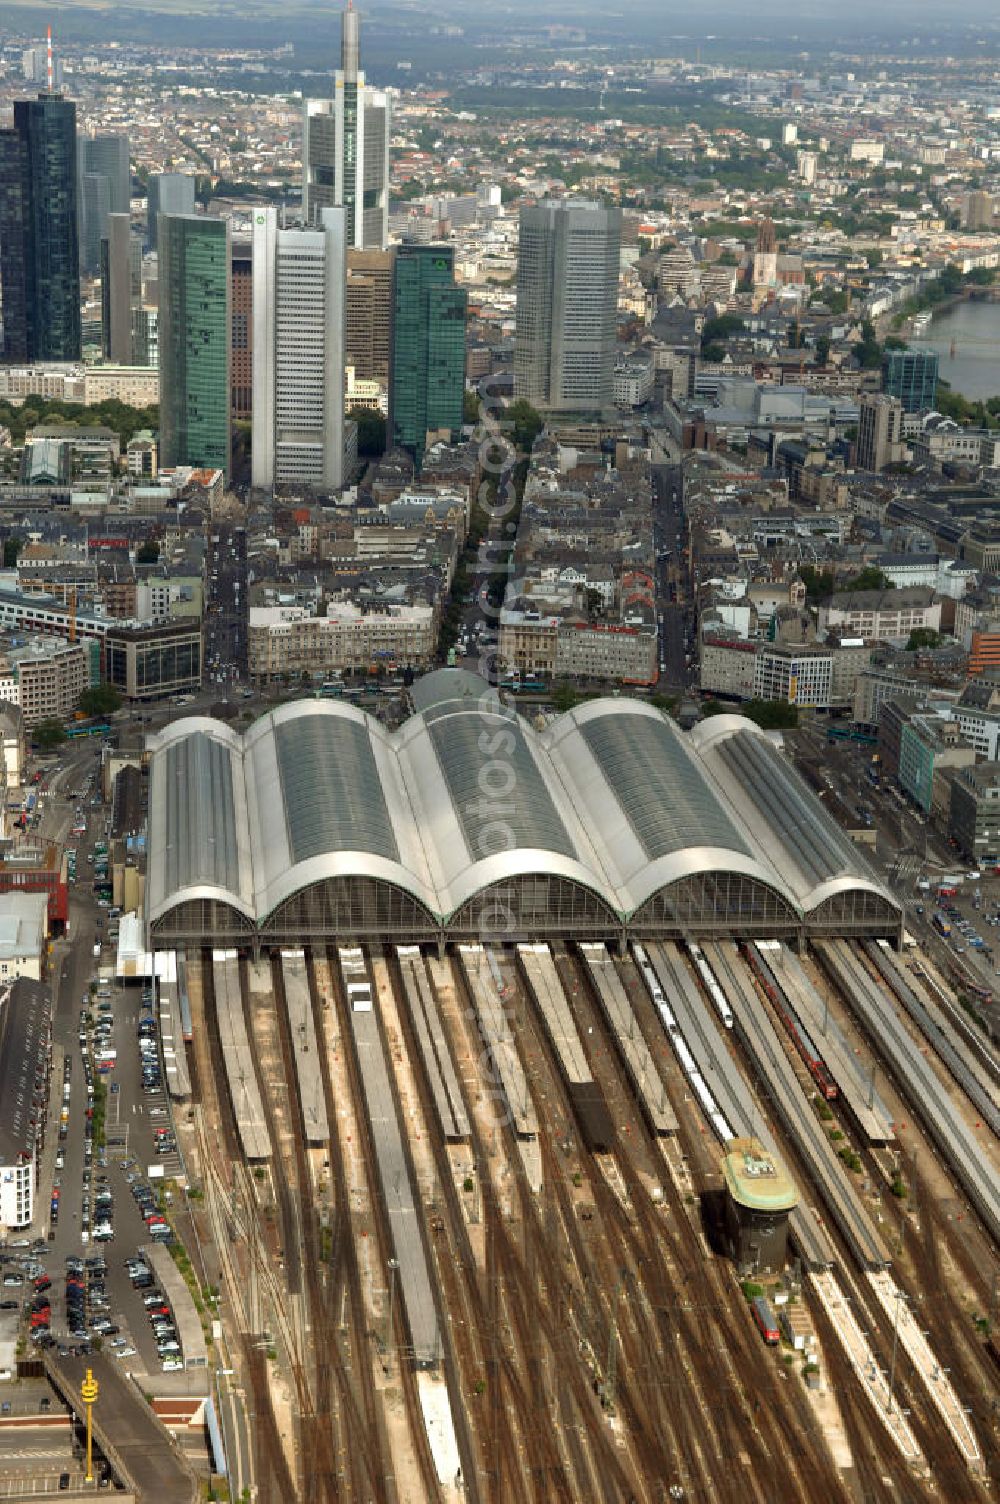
point(38, 226)
point(427, 366)
point(195, 340)
point(912, 376)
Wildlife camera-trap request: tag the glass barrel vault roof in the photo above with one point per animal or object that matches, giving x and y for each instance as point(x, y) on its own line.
point(495, 784)
point(666, 798)
point(201, 846)
point(331, 789)
point(789, 809)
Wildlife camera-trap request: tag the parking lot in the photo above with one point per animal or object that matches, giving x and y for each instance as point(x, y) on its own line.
point(110, 1146)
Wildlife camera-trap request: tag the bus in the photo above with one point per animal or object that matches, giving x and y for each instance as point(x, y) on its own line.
point(331, 690)
point(941, 924)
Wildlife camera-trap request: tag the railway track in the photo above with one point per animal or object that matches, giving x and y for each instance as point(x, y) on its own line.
point(272, 1474)
point(360, 1407)
point(545, 1339)
point(671, 1255)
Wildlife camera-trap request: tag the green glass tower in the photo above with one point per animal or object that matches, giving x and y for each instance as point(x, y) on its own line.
point(427, 363)
point(912, 376)
point(194, 339)
point(40, 257)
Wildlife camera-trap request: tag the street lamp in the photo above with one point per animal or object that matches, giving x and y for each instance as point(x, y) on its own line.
point(88, 1393)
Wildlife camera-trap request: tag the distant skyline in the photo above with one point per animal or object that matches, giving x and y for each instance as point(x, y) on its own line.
point(392, 28)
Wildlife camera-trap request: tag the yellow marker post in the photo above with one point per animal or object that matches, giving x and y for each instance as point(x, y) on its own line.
point(88, 1392)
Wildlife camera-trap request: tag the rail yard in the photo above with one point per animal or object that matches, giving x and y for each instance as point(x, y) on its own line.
point(462, 1206)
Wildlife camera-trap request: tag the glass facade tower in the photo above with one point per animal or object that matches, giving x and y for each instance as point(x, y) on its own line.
point(194, 341)
point(427, 364)
point(39, 236)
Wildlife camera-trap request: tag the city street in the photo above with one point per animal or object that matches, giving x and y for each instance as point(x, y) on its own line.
point(669, 538)
point(128, 1123)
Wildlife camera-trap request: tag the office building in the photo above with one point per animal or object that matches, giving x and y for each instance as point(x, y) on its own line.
point(38, 62)
point(977, 210)
point(45, 676)
point(105, 188)
point(567, 296)
point(242, 326)
point(25, 1059)
point(427, 362)
point(150, 660)
point(368, 313)
point(39, 244)
point(169, 193)
point(345, 148)
point(974, 812)
point(298, 352)
point(195, 340)
point(912, 377)
point(121, 288)
point(880, 432)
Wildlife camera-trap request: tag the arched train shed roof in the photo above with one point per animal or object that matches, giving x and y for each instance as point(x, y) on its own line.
point(466, 799)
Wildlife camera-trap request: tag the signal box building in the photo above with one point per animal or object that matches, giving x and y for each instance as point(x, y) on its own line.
point(759, 1194)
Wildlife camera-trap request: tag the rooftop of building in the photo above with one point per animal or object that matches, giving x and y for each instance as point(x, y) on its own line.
point(757, 1179)
point(24, 1033)
point(23, 922)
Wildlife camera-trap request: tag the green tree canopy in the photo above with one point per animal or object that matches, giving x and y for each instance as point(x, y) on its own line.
point(48, 734)
point(870, 578)
point(772, 715)
point(527, 423)
point(148, 552)
point(720, 329)
point(922, 637)
point(100, 699)
point(371, 432)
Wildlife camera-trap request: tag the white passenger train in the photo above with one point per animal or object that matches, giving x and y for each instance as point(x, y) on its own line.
point(712, 987)
point(696, 1080)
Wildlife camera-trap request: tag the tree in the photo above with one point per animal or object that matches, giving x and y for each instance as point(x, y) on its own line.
point(528, 423)
point(371, 432)
point(48, 734)
point(470, 407)
point(564, 697)
point(721, 328)
point(869, 351)
point(819, 583)
point(11, 549)
point(870, 578)
point(772, 715)
point(148, 552)
point(922, 637)
point(714, 353)
point(100, 699)
point(822, 350)
point(874, 258)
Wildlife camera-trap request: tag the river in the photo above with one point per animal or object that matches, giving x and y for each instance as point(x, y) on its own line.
point(972, 330)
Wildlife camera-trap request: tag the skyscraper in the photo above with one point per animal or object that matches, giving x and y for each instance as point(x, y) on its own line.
point(298, 352)
point(168, 193)
point(105, 188)
point(241, 374)
point(912, 376)
point(880, 431)
point(194, 341)
point(121, 289)
point(39, 245)
point(345, 148)
point(369, 312)
point(567, 300)
point(427, 360)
